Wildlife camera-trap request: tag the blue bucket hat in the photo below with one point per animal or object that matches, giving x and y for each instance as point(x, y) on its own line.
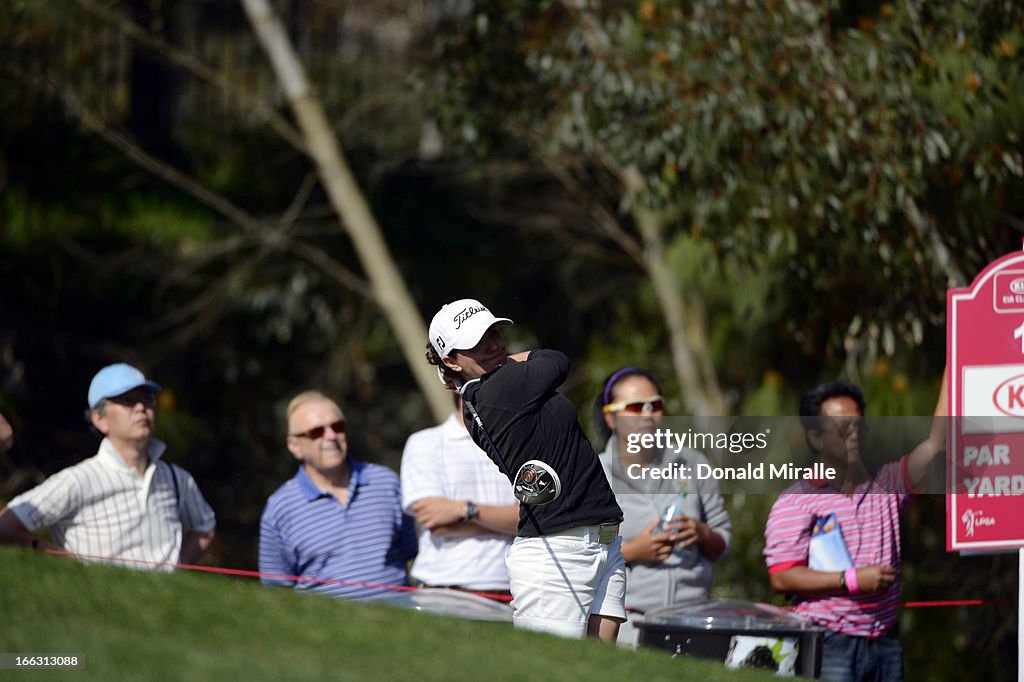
point(113, 380)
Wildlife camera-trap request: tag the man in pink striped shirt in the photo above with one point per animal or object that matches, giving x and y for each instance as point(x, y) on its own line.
point(857, 606)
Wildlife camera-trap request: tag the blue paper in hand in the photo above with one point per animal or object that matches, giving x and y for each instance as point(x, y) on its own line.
point(828, 551)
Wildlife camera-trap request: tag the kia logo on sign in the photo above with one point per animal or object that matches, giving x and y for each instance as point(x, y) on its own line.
point(1017, 285)
point(1009, 396)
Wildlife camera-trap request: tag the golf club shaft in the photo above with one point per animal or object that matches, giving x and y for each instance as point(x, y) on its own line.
point(459, 384)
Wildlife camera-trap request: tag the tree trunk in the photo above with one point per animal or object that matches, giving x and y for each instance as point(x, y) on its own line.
point(389, 290)
point(695, 372)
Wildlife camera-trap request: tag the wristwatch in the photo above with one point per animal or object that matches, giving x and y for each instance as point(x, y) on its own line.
point(471, 511)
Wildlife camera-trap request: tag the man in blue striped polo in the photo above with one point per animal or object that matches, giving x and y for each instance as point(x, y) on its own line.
point(337, 526)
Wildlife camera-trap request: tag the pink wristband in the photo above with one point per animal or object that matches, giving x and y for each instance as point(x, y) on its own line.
point(851, 581)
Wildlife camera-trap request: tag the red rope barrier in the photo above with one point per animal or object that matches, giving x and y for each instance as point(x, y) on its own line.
point(404, 588)
point(956, 602)
point(256, 574)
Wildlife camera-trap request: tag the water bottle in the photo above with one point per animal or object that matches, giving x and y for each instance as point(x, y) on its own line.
point(688, 555)
point(674, 509)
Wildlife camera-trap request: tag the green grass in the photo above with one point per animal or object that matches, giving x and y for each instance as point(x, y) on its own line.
point(142, 626)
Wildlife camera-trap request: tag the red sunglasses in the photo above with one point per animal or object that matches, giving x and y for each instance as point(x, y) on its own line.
point(318, 431)
point(655, 403)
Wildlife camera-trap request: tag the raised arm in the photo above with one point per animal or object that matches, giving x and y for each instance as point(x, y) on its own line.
point(533, 376)
point(923, 457)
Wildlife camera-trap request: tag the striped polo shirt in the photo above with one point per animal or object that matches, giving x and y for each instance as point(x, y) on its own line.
point(361, 546)
point(102, 507)
point(870, 524)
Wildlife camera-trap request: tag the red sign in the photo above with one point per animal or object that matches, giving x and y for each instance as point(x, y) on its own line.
point(985, 462)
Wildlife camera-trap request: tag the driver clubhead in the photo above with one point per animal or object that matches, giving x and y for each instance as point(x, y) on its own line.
point(536, 483)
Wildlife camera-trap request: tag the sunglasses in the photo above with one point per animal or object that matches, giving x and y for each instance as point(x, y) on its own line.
point(655, 403)
point(844, 429)
point(318, 431)
point(147, 398)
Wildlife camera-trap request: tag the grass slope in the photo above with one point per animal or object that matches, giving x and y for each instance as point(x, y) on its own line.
point(143, 626)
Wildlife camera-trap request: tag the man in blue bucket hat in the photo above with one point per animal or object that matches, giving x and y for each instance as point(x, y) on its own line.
point(126, 504)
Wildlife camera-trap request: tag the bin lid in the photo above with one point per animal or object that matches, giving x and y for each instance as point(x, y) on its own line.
point(726, 615)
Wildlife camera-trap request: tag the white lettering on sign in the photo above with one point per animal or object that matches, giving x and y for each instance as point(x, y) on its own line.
point(1018, 333)
point(994, 486)
point(998, 454)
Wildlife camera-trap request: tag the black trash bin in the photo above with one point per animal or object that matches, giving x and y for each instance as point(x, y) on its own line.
point(738, 633)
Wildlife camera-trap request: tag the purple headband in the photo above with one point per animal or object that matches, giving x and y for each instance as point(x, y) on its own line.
point(615, 377)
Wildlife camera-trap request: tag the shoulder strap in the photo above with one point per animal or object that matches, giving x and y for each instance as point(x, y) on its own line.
point(177, 490)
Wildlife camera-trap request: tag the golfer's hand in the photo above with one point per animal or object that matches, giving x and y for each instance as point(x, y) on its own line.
point(875, 578)
point(650, 547)
point(435, 512)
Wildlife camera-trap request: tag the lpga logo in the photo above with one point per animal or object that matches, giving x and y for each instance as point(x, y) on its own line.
point(972, 518)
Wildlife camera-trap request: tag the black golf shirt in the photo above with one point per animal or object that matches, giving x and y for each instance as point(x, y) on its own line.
point(527, 419)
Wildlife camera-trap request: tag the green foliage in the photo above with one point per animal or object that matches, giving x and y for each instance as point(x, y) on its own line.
point(795, 143)
point(25, 220)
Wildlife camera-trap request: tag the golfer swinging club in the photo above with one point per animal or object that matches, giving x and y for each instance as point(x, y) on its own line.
point(565, 567)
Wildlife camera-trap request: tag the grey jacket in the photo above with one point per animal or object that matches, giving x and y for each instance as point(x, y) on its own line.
point(678, 579)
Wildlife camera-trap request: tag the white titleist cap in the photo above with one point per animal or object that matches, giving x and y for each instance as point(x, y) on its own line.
point(460, 325)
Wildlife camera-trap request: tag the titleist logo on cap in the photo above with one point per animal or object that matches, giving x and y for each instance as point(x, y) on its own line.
point(461, 324)
point(465, 314)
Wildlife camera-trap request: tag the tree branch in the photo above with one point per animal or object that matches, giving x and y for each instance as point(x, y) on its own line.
point(259, 230)
point(925, 228)
point(336, 177)
point(245, 102)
